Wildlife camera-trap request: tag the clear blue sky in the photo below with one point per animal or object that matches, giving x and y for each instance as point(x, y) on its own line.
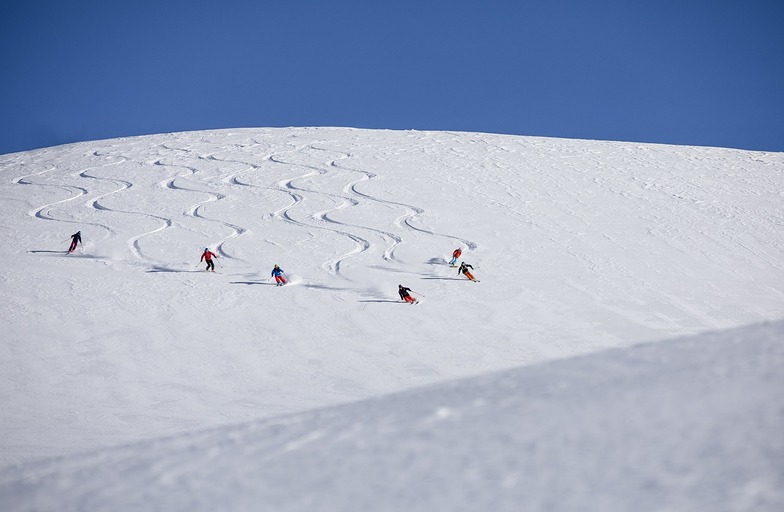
point(702, 72)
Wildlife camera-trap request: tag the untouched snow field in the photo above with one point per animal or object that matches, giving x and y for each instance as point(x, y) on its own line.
point(131, 379)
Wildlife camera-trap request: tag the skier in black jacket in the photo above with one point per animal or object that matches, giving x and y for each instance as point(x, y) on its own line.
point(405, 295)
point(76, 238)
point(464, 270)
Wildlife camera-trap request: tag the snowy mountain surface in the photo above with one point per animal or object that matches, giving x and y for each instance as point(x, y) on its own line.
point(131, 379)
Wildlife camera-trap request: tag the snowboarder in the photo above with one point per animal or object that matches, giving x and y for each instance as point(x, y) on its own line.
point(76, 238)
point(279, 275)
point(207, 256)
point(405, 295)
point(464, 270)
point(455, 255)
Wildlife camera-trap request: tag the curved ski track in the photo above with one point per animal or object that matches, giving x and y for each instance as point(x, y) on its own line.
point(404, 220)
point(296, 195)
point(351, 197)
point(133, 242)
point(186, 169)
point(194, 210)
point(44, 212)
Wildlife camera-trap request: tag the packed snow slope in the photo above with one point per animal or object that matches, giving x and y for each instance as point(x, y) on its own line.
point(579, 246)
point(691, 424)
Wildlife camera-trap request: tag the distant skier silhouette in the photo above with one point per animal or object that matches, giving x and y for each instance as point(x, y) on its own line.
point(76, 238)
point(207, 256)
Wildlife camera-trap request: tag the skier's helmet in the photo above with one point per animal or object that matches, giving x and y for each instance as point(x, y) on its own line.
point(206, 249)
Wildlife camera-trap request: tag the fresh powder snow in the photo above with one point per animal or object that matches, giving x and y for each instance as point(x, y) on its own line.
point(622, 349)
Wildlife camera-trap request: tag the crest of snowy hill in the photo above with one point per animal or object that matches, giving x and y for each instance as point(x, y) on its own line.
point(127, 344)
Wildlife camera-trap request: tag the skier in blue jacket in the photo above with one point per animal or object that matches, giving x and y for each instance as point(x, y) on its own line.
point(279, 275)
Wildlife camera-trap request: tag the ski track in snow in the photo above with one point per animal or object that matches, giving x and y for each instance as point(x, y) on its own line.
point(356, 199)
point(299, 193)
point(134, 242)
point(195, 210)
point(404, 220)
point(44, 211)
point(95, 201)
point(191, 177)
point(350, 197)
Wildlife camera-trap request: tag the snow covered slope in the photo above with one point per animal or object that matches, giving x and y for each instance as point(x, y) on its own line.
point(691, 424)
point(579, 246)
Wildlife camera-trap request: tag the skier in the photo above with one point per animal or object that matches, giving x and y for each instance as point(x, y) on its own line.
point(405, 295)
point(279, 275)
point(455, 255)
point(464, 269)
point(76, 238)
point(207, 256)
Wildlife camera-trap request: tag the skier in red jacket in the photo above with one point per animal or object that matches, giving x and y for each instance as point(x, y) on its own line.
point(455, 255)
point(207, 256)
